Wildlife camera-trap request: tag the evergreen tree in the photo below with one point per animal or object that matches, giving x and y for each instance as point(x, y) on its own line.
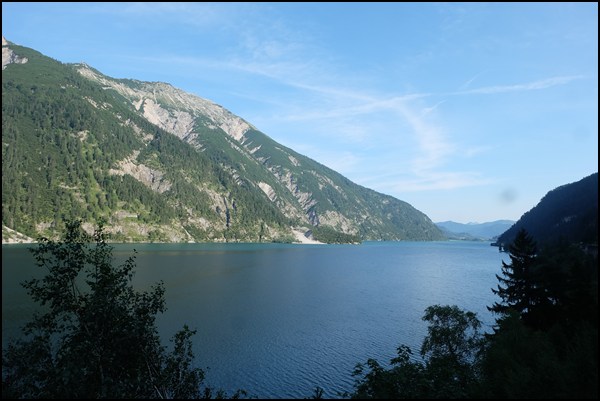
point(516, 288)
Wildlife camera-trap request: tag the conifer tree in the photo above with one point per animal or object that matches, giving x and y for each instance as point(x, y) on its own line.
point(516, 287)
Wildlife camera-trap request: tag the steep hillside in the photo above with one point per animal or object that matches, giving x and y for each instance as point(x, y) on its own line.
point(569, 212)
point(159, 164)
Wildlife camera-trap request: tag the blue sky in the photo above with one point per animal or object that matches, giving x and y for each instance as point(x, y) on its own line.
point(469, 112)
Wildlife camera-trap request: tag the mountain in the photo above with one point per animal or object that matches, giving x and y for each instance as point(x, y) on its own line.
point(159, 164)
point(567, 213)
point(474, 231)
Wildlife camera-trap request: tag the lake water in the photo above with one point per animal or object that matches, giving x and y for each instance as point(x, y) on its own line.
point(279, 319)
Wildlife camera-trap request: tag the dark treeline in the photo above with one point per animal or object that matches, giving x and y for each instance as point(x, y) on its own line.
point(97, 337)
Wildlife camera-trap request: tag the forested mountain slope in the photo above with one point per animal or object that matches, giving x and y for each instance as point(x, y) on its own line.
point(568, 213)
point(159, 164)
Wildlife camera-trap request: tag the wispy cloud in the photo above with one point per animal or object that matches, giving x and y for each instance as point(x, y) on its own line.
point(427, 110)
point(405, 117)
point(474, 151)
point(434, 147)
point(339, 112)
point(444, 180)
point(433, 143)
point(366, 105)
point(183, 12)
point(535, 85)
point(468, 83)
point(194, 14)
point(432, 181)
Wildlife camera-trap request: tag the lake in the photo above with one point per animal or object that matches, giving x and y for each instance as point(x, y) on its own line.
point(277, 320)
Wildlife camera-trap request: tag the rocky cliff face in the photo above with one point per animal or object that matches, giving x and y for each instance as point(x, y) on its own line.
point(9, 57)
point(183, 114)
point(170, 108)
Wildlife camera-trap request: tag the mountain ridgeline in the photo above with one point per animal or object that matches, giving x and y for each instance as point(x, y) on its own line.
point(158, 164)
point(568, 213)
point(474, 231)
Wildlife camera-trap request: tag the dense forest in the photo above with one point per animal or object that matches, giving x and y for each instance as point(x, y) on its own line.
point(99, 340)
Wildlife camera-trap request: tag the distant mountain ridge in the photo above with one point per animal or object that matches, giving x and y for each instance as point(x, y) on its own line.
point(159, 164)
point(567, 213)
point(474, 231)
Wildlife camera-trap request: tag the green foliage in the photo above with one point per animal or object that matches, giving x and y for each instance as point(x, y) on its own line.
point(521, 362)
point(329, 235)
point(568, 276)
point(284, 239)
point(452, 333)
point(516, 288)
point(317, 394)
point(450, 353)
point(405, 379)
point(557, 284)
point(546, 341)
point(451, 350)
point(57, 147)
point(96, 336)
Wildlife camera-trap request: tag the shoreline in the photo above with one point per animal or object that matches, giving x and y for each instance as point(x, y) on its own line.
point(16, 238)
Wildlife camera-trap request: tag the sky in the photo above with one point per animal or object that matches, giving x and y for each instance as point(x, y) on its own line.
point(470, 112)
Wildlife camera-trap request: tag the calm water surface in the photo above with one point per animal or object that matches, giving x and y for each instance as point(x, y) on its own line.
point(278, 320)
